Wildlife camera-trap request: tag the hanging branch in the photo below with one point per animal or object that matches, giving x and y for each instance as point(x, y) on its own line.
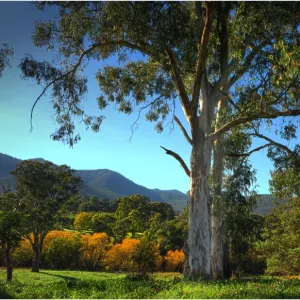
point(186, 135)
point(177, 157)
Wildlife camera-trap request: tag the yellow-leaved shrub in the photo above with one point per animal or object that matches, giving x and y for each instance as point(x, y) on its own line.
point(94, 249)
point(174, 260)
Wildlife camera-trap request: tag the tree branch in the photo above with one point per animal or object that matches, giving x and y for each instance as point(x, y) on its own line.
point(230, 100)
point(175, 74)
point(202, 50)
point(231, 154)
point(186, 135)
point(199, 20)
point(247, 64)
point(223, 12)
point(255, 116)
point(134, 126)
point(283, 147)
point(121, 43)
point(177, 157)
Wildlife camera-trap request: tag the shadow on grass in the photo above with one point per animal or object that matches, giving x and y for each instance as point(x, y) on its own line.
point(69, 278)
point(4, 294)
point(81, 283)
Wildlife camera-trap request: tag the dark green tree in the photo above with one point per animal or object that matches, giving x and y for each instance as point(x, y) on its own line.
point(12, 229)
point(64, 253)
point(214, 59)
point(95, 204)
point(103, 222)
point(145, 257)
point(280, 244)
point(131, 216)
point(166, 210)
point(135, 202)
point(46, 190)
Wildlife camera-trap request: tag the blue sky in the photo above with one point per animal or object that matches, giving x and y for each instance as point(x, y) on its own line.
point(141, 159)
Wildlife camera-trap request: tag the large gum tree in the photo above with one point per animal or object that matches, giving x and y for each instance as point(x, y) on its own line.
point(229, 65)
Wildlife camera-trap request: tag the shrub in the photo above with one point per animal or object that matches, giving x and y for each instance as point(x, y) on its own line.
point(174, 261)
point(146, 257)
point(22, 256)
point(93, 251)
point(120, 256)
point(54, 234)
point(63, 253)
point(134, 255)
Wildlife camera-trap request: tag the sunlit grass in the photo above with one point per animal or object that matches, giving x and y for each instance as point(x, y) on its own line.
point(82, 284)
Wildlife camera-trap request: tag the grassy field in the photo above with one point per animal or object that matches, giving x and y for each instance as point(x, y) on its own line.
point(77, 284)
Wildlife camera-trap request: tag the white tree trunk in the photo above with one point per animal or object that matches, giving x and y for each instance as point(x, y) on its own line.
point(217, 249)
point(217, 238)
point(198, 246)
point(198, 263)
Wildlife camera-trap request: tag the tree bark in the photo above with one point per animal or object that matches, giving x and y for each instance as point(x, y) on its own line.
point(218, 234)
point(8, 263)
point(197, 264)
point(198, 243)
point(217, 254)
point(36, 255)
point(226, 262)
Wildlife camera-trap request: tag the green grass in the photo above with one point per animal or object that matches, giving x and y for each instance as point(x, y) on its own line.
point(77, 284)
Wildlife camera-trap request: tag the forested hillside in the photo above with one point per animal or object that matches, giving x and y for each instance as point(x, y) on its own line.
point(103, 183)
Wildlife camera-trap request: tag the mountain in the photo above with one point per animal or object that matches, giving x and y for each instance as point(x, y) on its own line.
point(266, 203)
point(103, 183)
point(7, 164)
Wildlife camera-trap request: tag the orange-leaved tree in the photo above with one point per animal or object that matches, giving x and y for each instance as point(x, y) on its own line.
point(174, 260)
point(94, 249)
point(120, 256)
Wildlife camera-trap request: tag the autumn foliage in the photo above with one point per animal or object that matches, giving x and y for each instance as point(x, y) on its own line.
point(133, 255)
point(72, 250)
point(120, 256)
point(54, 234)
point(174, 261)
point(93, 251)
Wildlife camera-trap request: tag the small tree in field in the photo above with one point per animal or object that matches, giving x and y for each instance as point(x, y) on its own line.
point(146, 258)
point(45, 190)
point(11, 228)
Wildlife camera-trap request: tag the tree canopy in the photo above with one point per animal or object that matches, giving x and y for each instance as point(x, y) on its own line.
point(45, 189)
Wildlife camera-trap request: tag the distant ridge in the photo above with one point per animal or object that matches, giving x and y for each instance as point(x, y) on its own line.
point(103, 183)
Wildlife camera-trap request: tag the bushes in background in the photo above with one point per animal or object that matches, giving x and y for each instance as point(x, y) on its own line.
point(72, 250)
point(120, 256)
point(93, 251)
point(63, 253)
point(174, 261)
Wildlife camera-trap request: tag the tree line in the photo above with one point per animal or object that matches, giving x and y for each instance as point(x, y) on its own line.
point(46, 222)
